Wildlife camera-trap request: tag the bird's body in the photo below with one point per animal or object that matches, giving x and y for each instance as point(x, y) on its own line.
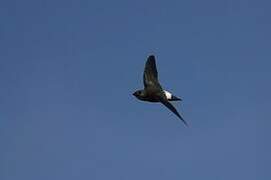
point(153, 91)
point(151, 96)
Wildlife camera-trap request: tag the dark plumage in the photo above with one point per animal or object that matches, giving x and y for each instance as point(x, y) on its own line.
point(153, 91)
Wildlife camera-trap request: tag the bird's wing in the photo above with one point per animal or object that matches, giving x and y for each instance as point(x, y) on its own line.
point(172, 108)
point(150, 76)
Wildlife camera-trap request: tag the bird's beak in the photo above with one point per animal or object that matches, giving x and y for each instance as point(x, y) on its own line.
point(134, 94)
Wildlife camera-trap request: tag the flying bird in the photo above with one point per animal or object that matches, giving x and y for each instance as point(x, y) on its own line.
point(153, 91)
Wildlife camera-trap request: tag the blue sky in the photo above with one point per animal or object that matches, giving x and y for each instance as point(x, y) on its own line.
point(68, 69)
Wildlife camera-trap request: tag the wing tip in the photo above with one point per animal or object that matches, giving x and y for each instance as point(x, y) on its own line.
point(185, 123)
point(151, 56)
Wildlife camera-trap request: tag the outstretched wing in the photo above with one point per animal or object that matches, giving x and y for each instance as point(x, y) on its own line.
point(172, 108)
point(150, 76)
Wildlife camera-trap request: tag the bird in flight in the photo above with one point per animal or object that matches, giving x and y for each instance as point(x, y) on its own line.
point(153, 91)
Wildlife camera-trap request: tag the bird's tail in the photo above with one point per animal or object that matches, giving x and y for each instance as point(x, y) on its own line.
point(175, 98)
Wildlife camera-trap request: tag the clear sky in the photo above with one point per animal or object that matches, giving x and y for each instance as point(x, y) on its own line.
point(68, 70)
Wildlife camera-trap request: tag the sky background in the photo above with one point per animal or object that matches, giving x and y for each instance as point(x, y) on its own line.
point(68, 70)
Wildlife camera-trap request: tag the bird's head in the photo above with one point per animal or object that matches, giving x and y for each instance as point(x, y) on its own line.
point(139, 94)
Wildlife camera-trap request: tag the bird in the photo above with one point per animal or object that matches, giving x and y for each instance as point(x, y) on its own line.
point(153, 91)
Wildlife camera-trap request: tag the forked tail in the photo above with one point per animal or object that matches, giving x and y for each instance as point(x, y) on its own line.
point(175, 98)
